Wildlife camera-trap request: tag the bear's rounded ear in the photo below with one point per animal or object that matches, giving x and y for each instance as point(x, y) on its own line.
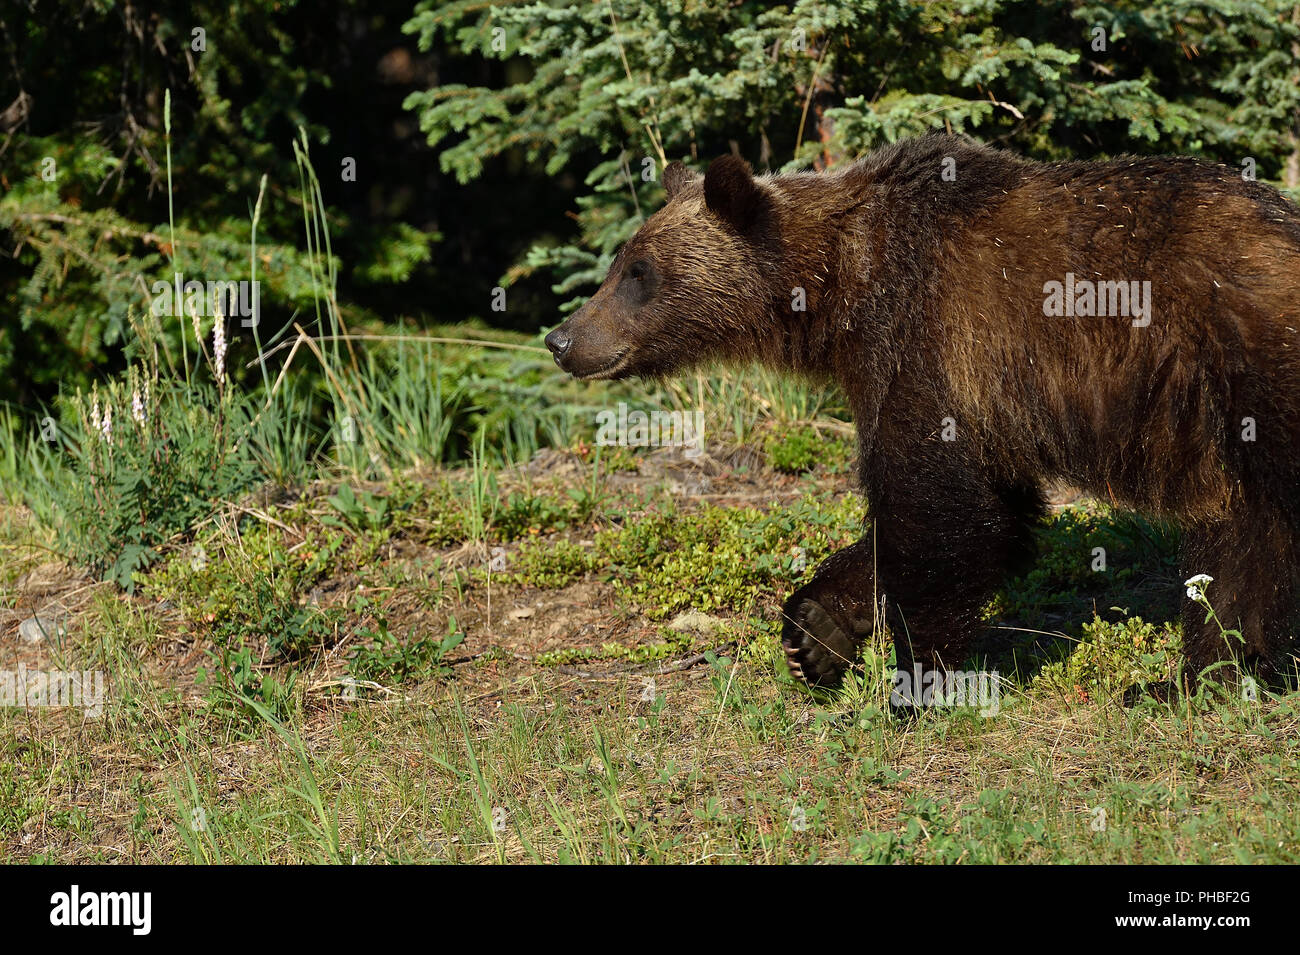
point(732, 195)
point(676, 177)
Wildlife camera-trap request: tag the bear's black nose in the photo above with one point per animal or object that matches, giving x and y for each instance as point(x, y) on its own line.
point(558, 342)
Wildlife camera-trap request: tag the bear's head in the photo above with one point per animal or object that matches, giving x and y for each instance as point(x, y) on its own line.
point(690, 286)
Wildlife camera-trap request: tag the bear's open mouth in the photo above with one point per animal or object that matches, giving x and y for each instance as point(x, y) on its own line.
point(606, 370)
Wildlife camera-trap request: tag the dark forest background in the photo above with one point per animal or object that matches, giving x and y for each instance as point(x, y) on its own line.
point(506, 143)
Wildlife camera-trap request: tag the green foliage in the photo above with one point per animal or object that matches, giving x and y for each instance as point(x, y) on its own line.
point(17, 800)
point(991, 829)
point(437, 515)
point(549, 563)
point(672, 643)
point(1113, 657)
point(723, 558)
point(383, 658)
point(246, 595)
point(268, 609)
point(363, 512)
point(530, 514)
point(253, 588)
point(238, 677)
point(802, 448)
point(148, 458)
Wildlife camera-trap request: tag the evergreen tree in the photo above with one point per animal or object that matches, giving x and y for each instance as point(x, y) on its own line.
point(613, 90)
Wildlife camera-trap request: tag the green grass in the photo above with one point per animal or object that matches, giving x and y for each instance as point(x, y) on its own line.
point(342, 697)
point(738, 769)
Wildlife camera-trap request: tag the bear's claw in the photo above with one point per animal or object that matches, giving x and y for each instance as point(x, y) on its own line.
point(817, 649)
point(792, 661)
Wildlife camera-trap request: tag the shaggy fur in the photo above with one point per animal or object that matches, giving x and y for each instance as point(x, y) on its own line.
point(925, 302)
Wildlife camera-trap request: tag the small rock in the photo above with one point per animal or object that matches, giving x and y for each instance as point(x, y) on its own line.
point(695, 622)
point(36, 629)
point(521, 614)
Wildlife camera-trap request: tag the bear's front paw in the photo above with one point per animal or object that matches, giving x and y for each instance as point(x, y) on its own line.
point(817, 648)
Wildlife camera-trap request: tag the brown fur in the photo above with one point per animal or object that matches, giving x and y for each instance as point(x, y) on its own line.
point(925, 301)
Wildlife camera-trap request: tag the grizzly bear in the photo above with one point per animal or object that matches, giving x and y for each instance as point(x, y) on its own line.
point(1130, 327)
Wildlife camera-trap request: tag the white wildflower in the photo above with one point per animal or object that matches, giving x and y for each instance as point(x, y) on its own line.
point(106, 426)
point(1194, 585)
point(219, 349)
point(137, 407)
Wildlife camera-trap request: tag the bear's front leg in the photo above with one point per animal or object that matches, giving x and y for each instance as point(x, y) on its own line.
point(933, 558)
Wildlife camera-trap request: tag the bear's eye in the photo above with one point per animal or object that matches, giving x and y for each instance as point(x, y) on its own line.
point(639, 283)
